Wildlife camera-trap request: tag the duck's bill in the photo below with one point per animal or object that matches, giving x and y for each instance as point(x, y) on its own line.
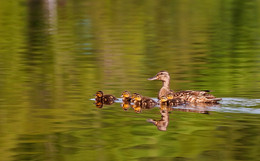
point(153, 78)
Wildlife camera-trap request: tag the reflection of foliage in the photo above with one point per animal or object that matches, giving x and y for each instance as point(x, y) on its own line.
point(54, 62)
point(200, 46)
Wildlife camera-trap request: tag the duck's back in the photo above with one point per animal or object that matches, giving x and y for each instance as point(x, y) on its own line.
point(109, 97)
point(196, 96)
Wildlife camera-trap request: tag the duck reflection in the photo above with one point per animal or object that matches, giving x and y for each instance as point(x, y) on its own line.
point(168, 105)
point(188, 108)
point(161, 124)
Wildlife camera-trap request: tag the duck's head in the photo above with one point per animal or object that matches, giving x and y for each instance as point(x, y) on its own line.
point(126, 94)
point(99, 94)
point(163, 99)
point(162, 75)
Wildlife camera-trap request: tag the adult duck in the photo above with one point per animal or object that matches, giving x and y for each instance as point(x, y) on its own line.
point(188, 95)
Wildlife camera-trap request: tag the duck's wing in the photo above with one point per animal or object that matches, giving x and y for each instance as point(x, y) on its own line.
point(197, 96)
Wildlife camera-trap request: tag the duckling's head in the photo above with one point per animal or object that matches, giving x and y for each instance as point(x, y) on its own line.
point(134, 95)
point(138, 97)
point(99, 94)
point(162, 75)
point(170, 96)
point(163, 99)
point(126, 94)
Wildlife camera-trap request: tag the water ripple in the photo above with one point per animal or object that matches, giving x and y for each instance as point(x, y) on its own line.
point(239, 105)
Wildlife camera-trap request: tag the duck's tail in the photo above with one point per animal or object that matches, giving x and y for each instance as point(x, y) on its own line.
point(212, 100)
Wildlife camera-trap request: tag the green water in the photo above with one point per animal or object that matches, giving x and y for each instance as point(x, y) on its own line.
point(55, 54)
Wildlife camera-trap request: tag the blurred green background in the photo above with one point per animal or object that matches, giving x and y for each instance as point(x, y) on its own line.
point(55, 54)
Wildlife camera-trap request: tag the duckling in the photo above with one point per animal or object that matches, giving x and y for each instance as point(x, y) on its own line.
point(163, 101)
point(169, 101)
point(126, 96)
point(145, 102)
point(189, 95)
point(133, 97)
point(100, 97)
point(174, 101)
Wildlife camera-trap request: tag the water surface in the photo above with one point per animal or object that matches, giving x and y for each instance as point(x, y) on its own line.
point(55, 54)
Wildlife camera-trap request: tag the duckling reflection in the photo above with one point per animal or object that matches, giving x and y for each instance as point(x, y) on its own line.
point(161, 124)
point(100, 104)
point(125, 105)
point(137, 107)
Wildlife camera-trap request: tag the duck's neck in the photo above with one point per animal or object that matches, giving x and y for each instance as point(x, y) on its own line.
point(166, 84)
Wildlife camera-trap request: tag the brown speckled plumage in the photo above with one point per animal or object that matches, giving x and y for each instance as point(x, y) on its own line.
point(100, 97)
point(143, 101)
